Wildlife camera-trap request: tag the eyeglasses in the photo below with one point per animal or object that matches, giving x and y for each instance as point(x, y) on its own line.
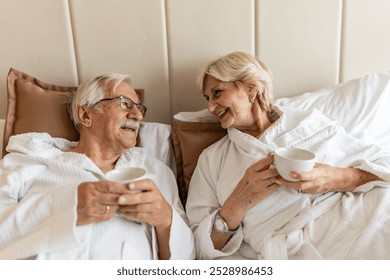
point(125, 104)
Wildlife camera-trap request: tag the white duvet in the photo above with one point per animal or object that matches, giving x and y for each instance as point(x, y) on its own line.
point(288, 225)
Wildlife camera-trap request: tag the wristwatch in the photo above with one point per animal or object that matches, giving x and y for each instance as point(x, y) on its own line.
point(221, 225)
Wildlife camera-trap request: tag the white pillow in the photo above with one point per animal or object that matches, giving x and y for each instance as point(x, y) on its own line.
point(197, 116)
point(156, 139)
point(361, 106)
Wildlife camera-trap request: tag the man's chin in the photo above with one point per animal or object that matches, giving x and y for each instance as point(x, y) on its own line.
point(130, 132)
point(130, 137)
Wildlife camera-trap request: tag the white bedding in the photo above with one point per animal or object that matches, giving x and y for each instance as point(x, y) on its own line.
point(359, 105)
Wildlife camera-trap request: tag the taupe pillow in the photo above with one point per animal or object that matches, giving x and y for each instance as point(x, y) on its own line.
point(189, 140)
point(35, 106)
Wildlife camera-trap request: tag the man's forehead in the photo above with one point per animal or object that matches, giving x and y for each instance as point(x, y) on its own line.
point(122, 89)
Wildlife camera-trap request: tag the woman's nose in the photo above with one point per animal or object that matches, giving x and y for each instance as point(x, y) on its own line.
point(211, 104)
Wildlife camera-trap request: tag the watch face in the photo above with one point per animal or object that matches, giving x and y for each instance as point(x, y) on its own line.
point(220, 225)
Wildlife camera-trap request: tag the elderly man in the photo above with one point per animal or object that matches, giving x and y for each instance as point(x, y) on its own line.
point(56, 204)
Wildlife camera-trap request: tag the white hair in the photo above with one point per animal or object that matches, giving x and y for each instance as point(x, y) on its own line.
point(241, 68)
point(92, 90)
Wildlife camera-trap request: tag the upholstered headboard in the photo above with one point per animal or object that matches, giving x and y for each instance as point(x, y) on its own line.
point(162, 44)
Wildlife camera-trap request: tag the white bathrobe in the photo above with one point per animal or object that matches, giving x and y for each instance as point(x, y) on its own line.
point(288, 225)
point(38, 201)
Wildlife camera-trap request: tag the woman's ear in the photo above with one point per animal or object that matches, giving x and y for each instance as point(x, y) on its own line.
point(84, 116)
point(253, 93)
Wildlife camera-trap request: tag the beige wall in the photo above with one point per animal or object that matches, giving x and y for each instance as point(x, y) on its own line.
point(307, 43)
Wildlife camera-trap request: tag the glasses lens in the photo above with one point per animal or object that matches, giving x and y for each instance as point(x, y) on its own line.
point(141, 108)
point(128, 104)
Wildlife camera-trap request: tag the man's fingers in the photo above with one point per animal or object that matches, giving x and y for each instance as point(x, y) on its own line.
point(134, 198)
point(141, 185)
point(110, 187)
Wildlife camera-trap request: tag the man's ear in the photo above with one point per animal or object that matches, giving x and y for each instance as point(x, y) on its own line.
point(84, 116)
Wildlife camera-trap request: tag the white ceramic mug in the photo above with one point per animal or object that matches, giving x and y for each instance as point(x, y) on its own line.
point(125, 174)
point(290, 159)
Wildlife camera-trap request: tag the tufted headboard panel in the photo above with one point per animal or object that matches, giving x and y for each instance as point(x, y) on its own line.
point(308, 44)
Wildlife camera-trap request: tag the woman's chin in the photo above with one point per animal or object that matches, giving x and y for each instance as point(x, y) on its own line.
point(225, 125)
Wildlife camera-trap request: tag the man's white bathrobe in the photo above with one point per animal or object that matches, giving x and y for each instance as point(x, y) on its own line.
point(38, 201)
point(286, 224)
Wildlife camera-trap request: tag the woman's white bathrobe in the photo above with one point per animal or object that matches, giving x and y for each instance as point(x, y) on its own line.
point(286, 224)
point(38, 201)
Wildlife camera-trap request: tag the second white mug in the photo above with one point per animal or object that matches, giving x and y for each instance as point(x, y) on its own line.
point(290, 159)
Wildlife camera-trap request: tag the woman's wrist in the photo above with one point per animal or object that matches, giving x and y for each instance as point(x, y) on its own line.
point(353, 177)
point(232, 216)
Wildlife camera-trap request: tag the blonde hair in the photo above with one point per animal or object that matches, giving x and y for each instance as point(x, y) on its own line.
point(91, 91)
point(241, 68)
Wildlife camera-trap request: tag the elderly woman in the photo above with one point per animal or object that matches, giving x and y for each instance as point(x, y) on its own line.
point(238, 205)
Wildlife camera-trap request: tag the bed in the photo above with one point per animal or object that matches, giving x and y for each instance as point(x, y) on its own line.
point(359, 105)
point(329, 55)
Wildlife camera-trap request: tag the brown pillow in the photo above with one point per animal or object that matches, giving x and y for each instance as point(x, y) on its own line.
point(189, 140)
point(35, 106)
